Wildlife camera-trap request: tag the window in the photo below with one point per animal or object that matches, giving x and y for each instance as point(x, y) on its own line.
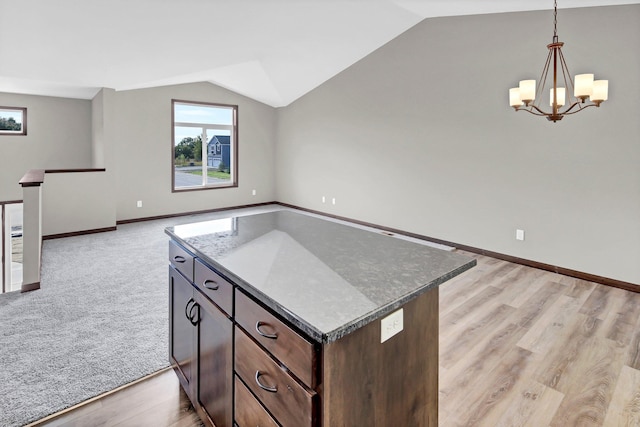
point(13, 121)
point(204, 145)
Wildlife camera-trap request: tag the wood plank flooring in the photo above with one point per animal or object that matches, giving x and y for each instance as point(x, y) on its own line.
point(157, 401)
point(526, 347)
point(518, 347)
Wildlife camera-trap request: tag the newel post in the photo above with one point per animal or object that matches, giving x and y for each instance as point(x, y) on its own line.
point(31, 184)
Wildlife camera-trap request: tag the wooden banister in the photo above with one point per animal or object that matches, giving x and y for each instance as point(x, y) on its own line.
point(33, 178)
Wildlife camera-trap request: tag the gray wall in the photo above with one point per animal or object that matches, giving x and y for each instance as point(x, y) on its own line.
point(58, 137)
point(129, 134)
point(419, 136)
point(143, 152)
point(73, 202)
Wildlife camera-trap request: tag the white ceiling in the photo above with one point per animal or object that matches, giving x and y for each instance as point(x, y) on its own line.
point(273, 51)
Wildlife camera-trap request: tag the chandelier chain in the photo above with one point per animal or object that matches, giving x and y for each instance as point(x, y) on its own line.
point(555, 19)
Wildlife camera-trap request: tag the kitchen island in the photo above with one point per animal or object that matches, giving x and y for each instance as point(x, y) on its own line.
point(286, 319)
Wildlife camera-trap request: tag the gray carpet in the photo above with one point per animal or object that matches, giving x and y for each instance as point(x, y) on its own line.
point(100, 320)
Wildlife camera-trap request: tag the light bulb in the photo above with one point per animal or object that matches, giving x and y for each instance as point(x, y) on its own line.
point(527, 90)
point(514, 97)
point(560, 96)
point(600, 91)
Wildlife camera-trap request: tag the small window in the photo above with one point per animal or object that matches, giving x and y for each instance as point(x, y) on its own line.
point(13, 121)
point(204, 145)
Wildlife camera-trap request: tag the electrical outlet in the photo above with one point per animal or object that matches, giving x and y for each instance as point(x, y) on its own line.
point(253, 192)
point(324, 199)
point(333, 200)
point(519, 234)
point(139, 204)
point(391, 325)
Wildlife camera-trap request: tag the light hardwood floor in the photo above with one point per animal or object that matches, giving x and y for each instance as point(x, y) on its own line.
point(518, 347)
point(526, 347)
point(157, 401)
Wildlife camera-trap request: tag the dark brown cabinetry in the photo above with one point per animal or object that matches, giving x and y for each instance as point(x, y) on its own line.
point(249, 412)
point(181, 337)
point(201, 341)
point(292, 350)
point(214, 387)
point(244, 365)
point(276, 363)
point(291, 403)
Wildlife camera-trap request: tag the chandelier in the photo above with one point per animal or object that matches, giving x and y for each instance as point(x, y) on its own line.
point(526, 98)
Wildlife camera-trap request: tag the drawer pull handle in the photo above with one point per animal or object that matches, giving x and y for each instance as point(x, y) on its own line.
point(179, 259)
point(264, 334)
point(273, 389)
point(211, 285)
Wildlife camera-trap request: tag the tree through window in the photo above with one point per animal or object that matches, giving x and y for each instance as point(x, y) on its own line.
point(13, 121)
point(205, 145)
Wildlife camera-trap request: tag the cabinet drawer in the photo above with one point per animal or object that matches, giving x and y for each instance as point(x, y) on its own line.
point(285, 398)
point(216, 288)
point(181, 260)
point(249, 412)
point(293, 351)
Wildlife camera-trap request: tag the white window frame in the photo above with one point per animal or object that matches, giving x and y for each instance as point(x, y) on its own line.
point(17, 111)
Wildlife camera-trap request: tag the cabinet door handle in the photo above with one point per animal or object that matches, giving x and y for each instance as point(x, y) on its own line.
point(264, 334)
point(273, 389)
point(192, 311)
point(194, 314)
point(187, 309)
point(211, 284)
point(179, 259)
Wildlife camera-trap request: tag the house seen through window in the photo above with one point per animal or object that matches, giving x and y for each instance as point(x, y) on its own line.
point(204, 145)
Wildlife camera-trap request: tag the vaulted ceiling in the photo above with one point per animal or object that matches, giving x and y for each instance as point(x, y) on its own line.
point(273, 51)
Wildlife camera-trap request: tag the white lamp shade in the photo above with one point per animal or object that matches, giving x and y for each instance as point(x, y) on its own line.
point(600, 90)
point(560, 95)
point(527, 90)
point(514, 97)
point(583, 86)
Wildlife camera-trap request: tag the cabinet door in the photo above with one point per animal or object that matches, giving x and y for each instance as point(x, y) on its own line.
point(181, 329)
point(215, 362)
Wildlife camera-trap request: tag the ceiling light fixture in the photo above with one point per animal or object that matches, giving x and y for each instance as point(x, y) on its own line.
point(522, 98)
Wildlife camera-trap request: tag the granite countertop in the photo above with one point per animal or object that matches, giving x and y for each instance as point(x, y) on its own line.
point(326, 278)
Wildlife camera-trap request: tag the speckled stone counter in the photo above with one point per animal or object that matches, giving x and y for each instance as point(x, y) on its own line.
point(326, 278)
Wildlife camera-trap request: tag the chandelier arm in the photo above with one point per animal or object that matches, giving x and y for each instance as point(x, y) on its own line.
point(542, 113)
point(580, 108)
point(571, 107)
point(543, 79)
point(532, 112)
point(529, 109)
point(567, 76)
point(532, 109)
